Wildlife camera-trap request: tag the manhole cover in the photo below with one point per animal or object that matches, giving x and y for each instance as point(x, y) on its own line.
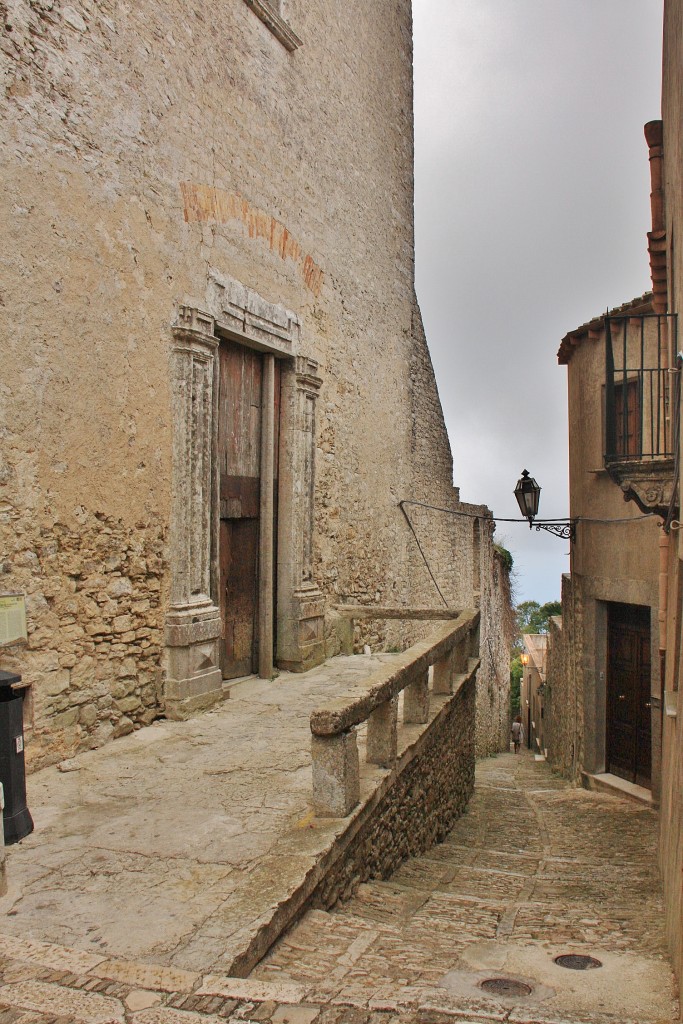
point(577, 962)
point(506, 987)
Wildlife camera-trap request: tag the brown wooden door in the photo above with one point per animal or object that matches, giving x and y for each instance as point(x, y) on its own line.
point(628, 694)
point(239, 460)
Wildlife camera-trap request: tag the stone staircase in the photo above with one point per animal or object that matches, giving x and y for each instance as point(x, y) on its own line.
point(470, 930)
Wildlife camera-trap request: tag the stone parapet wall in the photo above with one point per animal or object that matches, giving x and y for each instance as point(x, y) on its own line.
point(414, 808)
point(493, 679)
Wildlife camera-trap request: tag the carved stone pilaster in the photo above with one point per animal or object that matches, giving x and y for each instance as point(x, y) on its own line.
point(193, 678)
point(301, 605)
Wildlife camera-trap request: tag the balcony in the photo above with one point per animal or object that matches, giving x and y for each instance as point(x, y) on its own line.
point(642, 400)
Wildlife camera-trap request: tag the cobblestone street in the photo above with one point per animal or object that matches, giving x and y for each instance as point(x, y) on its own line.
point(534, 870)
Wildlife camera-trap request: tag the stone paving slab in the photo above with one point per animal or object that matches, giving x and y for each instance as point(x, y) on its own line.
point(31, 993)
point(533, 869)
point(181, 844)
point(412, 949)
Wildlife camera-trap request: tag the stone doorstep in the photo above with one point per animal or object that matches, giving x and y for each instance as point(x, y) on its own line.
point(240, 683)
point(605, 782)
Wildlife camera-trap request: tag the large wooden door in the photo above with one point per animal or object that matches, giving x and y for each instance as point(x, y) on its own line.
point(239, 460)
point(628, 693)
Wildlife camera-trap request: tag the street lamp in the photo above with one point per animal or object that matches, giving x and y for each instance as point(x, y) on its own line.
point(528, 493)
point(524, 658)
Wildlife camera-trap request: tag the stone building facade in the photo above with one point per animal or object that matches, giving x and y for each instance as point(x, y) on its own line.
point(216, 386)
point(649, 478)
point(614, 577)
point(533, 693)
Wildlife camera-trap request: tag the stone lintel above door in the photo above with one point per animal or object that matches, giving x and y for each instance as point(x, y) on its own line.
point(245, 316)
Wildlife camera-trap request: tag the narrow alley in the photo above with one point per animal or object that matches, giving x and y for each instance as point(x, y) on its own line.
point(534, 870)
point(467, 932)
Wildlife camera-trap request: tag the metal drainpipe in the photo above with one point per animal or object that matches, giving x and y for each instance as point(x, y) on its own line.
point(658, 269)
point(663, 599)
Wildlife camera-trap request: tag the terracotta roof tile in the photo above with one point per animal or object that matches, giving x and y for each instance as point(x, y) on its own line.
point(575, 337)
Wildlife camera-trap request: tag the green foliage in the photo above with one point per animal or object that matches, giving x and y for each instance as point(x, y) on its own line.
point(533, 617)
point(506, 556)
point(516, 670)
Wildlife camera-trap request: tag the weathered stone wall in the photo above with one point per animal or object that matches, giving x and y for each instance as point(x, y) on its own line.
point(459, 549)
point(149, 150)
point(455, 541)
point(446, 539)
point(563, 701)
point(493, 679)
point(144, 146)
point(418, 807)
point(94, 612)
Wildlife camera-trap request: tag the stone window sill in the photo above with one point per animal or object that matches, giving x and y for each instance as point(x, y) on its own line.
point(277, 25)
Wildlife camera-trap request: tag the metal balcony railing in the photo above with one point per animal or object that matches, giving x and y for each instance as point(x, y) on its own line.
point(638, 387)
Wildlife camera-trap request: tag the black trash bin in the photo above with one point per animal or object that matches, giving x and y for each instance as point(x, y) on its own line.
point(16, 817)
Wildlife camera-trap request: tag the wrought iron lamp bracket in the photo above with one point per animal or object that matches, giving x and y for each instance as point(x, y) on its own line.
point(564, 528)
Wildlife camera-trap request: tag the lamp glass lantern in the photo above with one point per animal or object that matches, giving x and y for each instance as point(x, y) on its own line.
point(528, 494)
point(524, 658)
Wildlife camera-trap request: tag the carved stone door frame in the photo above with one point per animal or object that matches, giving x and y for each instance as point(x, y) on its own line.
point(193, 621)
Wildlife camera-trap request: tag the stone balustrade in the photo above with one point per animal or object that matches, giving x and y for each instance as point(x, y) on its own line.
point(452, 650)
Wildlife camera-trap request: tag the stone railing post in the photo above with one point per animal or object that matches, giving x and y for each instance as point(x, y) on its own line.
point(443, 675)
point(461, 653)
point(336, 774)
point(382, 738)
point(416, 700)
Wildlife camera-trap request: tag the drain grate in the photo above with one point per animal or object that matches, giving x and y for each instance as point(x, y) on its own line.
point(577, 962)
point(506, 987)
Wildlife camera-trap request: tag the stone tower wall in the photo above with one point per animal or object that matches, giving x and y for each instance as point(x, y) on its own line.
point(150, 149)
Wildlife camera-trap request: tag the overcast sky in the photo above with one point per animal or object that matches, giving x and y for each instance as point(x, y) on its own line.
point(532, 207)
